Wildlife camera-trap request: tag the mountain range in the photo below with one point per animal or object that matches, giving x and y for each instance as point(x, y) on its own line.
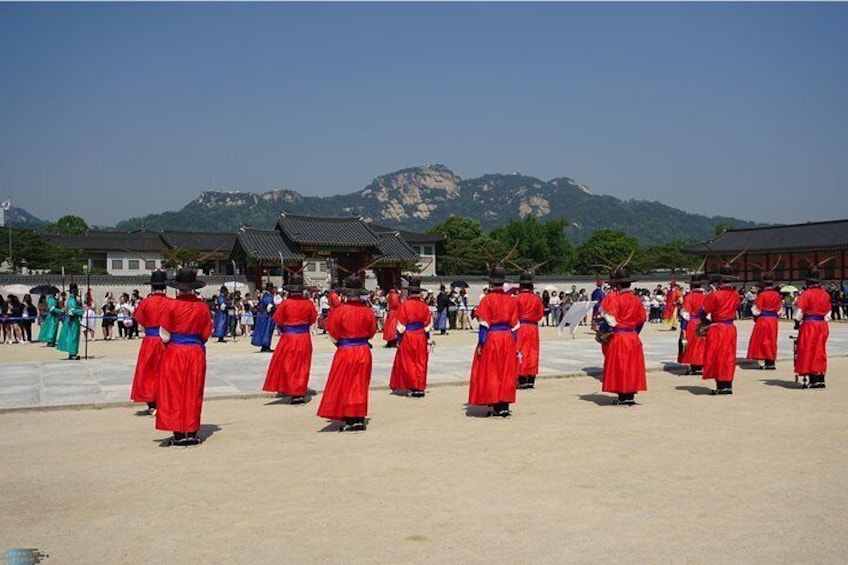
point(420, 198)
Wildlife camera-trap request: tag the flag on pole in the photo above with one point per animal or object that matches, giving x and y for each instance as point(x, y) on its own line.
point(6, 204)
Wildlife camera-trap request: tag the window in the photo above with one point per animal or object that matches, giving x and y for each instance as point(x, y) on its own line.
point(117, 264)
point(150, 265)
point(427, 250)
point(311, 267)
point(133, 264)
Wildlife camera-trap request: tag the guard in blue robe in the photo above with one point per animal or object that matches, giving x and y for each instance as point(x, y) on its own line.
point(263, 326)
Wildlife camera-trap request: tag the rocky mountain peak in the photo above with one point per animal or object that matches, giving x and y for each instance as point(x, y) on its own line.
point(413, 192)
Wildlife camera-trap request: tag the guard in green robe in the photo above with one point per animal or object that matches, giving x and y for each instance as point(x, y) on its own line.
point(69, 335)
point(50, 325)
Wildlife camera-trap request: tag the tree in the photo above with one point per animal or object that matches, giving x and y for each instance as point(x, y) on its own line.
point(538, 242)
point(458, 227)
point(605, 248)
point(41, 254)
point(722, 227)
point(665, 256)
point(67, 225)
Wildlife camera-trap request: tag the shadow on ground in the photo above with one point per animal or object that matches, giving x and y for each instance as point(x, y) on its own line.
point(599, 399)
point(782, 384)
point(696, 390)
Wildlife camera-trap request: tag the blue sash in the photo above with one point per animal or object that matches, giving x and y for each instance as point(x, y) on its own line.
point(500, 328)
point(768, 314)
point(187, 339)
point(725, 322)
point(151, 332)
point(298, 329)
point(412, 326)
point(813, 318)
point(624, 330)
point(352, 342)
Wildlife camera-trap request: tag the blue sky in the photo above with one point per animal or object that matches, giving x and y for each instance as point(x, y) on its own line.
point(110, 111)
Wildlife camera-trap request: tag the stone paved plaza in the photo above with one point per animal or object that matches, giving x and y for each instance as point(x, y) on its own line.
point(238, 369)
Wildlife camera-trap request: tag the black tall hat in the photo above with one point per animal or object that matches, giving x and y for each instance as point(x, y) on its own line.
point(269, 287)
point(620, 275)
point(158, 280)
point(353, 287)
point(186, 279)
point(696, 279)
point(497, 276)
point(813, 275)
point(414, 286)
point(73, 288)
point(725, 273)
point(525, 280)
point(295, 284)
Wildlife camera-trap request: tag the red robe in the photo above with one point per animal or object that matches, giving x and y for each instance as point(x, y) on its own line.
point(530, 311)
point(335, 299)
point(494, 369)
point(671, 299)
point(694, 354)
point(720, 351)
point(149, 314)
point(346, 393)
point(409, 370)
point(180, 396)
point(288, 372)
point(763, 342)
point(624, 363)
point(390, 324)
point(812, 337)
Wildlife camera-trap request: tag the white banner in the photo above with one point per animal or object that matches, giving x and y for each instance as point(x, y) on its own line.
point(5, 205)
point(574, 315)
point(2, 217)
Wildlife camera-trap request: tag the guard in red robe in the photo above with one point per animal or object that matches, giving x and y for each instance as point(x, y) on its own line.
point(719, 310)
point(624, 362)
point(530, 312)
point(812, 313)
point(413, 323)
point(149, 314)
point(288, 371)
point(692, 353)
point(390, 326)
point(350, 326)
point(763, 343)
point(494, 369)
point(185, 331)
point(672, 301)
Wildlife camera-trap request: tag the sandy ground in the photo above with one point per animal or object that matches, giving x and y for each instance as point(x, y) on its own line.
point(681, 478)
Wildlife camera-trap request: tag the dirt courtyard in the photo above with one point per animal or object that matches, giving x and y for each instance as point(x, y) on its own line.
point(683, 477)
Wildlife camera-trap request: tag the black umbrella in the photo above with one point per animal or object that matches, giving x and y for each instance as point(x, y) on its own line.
point(459, 284)
point(44, 289)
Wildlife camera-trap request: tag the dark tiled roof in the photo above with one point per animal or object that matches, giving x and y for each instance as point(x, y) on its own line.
point(796, 237)
point(221, 242)
point(309, 230)
point(265, 245)
point(97, 240)
point(393, 249)
point(409, 236)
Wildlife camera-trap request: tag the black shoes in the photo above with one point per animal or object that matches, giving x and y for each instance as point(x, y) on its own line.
point(415, 393)
point(297, 400)
point(182, 441)
point(266, 350)
point(354, 427)
point(73, 357)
